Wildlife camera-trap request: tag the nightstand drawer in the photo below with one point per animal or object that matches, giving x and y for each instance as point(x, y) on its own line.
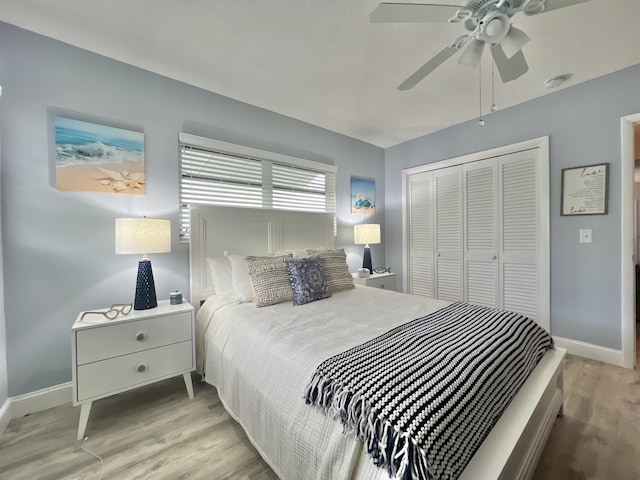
point(388, 283)
point(121, 373)
point(107, 341)
point(385, 281)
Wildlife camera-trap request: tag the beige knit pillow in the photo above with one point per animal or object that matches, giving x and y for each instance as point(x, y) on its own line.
point(336, 270)
point(269, 279)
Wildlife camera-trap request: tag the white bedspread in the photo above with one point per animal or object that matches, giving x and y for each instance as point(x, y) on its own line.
point(261, 360)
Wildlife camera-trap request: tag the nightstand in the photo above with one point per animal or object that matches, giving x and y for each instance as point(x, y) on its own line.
point(143, 347)
point(377, 280)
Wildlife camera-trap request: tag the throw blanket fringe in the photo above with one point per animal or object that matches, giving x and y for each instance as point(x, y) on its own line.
point(423, 396)
point(388, 446)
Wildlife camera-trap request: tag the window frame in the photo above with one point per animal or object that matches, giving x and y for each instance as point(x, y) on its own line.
point(268, 160)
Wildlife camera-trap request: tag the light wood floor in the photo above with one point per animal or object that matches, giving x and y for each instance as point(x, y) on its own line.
point(158, 433)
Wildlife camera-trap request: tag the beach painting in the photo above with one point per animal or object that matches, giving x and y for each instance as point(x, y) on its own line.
point(363, 196)
point(97, 158)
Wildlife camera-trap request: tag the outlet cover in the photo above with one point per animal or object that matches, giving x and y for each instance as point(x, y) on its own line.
point(586, 235)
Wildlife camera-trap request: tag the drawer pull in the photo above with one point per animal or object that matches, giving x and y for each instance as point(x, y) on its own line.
point(142, 367)
point(382, 285)
point(141, 337)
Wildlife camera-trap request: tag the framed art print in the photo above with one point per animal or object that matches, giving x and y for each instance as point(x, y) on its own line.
point(585, 190)
point(91, 157)
point(363, 196)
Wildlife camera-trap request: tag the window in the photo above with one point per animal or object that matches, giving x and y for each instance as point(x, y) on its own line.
point(219, 173)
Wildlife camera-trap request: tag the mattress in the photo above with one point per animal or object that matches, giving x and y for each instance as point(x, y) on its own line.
point(262, 359)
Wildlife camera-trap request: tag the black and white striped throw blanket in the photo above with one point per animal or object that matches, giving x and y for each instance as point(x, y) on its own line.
point(424, 396)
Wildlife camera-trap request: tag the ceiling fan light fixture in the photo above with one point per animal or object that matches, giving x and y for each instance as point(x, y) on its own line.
point(494, 26)
point(514, 41)
point(486, 21)
point(472, 54)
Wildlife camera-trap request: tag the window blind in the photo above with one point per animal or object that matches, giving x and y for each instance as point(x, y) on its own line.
point(212, 176)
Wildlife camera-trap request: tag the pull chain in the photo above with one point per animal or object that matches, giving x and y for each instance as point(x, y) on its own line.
point(493, 108)
point(480, 119)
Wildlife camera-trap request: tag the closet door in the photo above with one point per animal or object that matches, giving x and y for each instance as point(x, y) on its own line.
point(448, 233)
point(420, 225)
point(480, 199)
point(519, 242)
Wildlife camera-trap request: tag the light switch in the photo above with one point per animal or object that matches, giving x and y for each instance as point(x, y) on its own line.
point(586, 235)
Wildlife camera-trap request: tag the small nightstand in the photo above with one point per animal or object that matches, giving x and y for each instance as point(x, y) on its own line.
point(377, 280)
point(143, 347)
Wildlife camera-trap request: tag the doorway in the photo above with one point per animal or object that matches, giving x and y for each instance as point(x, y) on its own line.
point(629, 240)
point(636, 198)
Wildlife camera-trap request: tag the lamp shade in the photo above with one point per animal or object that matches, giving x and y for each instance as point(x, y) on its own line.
point(514, 41)
point(472, 54)
point(368, 233)
point(143, 235)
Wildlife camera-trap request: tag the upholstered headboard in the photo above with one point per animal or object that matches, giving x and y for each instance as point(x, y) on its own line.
point(215, 230)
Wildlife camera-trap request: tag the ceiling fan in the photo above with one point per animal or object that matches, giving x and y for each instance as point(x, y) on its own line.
point(487, 21)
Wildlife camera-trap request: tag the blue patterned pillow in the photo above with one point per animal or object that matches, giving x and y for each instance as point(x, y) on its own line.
point(308, 282)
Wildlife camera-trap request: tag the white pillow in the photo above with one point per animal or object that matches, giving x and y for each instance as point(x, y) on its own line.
point(220, 272)
point(240, 278)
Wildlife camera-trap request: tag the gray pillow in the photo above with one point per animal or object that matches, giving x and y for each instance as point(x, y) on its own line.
point(269, 279)
point(336, 269)
point(308, 282)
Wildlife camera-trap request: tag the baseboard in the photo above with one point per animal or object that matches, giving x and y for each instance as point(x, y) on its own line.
point(41, 400)
point(5, 415)
point(591, 351)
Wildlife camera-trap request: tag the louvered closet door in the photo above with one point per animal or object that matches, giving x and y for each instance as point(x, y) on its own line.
point(480, 198)
point(518, 173)
point(420, 224)
point(448, 233)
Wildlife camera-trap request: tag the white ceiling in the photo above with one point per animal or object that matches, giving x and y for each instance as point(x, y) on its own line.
point(324, 63)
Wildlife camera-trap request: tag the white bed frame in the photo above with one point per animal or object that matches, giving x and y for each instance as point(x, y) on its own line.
point(512, 449)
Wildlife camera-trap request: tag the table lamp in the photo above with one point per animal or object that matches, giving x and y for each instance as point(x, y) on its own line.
point(143, 236)
point(368, 233)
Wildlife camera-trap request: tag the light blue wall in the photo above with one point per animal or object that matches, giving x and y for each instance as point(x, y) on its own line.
point(583, 124)
point(58, 246)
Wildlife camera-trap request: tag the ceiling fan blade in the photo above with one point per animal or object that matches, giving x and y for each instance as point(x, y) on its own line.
point(427, 68)
point(550, 5)
point(509, 68)
point(410, 12)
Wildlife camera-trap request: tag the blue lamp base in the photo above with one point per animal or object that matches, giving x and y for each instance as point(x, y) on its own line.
point(366, 260)
point(145, 287)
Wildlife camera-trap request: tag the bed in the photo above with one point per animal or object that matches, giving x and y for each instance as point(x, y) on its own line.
point(262, 382)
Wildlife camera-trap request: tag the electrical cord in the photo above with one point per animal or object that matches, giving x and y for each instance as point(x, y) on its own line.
point(91, 453)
